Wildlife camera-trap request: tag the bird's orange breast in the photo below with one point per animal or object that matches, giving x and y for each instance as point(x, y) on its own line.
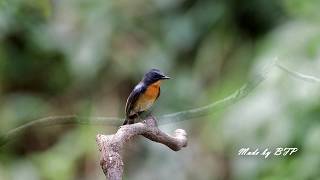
point(146, 100)
point(153, 90)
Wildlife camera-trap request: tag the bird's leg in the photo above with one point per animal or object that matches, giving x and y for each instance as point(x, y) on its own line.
point(149, 113)
point(139, 117)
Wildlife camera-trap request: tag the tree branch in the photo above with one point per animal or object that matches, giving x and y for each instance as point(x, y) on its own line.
point(298, 75)
point(237, 95)
point(111, 146)
point(240, 93)
point(59, 120)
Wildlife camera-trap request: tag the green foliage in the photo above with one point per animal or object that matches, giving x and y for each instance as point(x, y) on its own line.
point(84, 57)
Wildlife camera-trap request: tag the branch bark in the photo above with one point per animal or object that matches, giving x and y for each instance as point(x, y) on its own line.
point(111, 146)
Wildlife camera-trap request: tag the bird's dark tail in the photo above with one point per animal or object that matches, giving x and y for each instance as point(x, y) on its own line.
point(125, 122)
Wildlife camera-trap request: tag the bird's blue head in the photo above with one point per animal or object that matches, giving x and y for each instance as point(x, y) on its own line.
point(153, 76)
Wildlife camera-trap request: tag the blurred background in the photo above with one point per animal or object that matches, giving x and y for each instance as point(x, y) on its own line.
point(84, 57)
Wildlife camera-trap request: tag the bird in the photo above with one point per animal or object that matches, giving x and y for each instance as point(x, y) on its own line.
point(143, 95)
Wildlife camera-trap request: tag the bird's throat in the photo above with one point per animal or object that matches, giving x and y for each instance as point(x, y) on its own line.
point(153, 90)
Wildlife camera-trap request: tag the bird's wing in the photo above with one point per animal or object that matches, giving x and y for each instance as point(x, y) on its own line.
point(133, 97)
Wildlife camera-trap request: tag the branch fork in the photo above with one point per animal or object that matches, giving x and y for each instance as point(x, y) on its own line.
point(111, 146)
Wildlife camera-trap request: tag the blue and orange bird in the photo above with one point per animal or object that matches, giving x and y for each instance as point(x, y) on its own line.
point(144, 94)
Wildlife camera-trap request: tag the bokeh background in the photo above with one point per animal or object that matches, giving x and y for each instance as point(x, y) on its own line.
point(83, 57)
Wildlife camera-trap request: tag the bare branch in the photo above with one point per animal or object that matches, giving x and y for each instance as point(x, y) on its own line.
point(111, 146)
point(240, 93)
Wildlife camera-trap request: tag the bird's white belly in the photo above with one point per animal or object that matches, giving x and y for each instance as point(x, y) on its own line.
point(144, 105)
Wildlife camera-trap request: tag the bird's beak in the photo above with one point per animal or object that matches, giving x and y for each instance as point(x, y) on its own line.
point(165, 77)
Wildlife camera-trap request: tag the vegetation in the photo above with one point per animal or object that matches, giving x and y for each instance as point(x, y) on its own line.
point(82, 58)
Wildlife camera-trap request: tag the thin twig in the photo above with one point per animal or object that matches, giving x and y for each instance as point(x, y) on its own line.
point(59, 120)
point(242, 92)
point(298, 75)
point(231, 99)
